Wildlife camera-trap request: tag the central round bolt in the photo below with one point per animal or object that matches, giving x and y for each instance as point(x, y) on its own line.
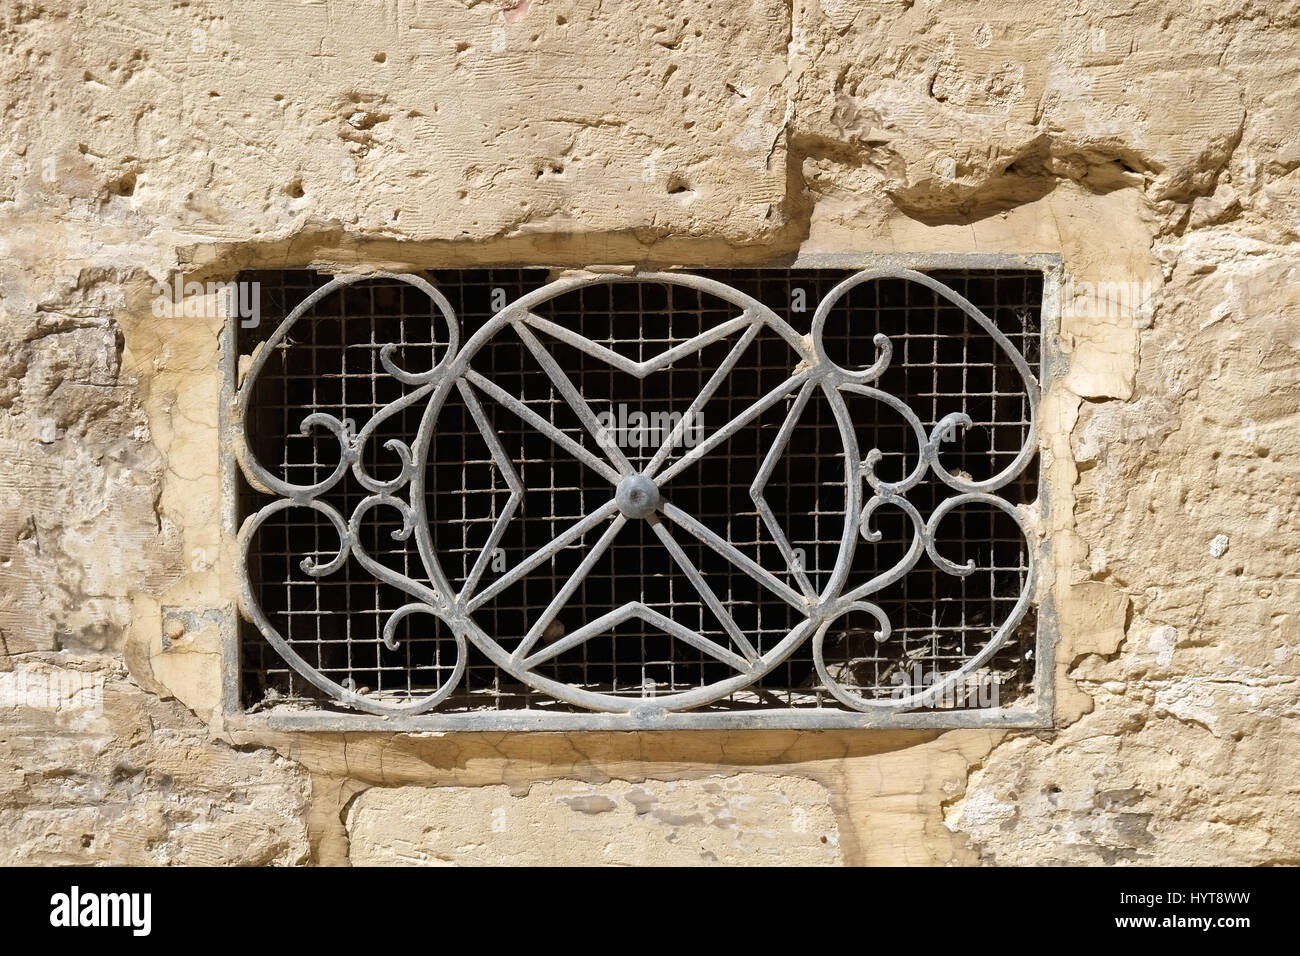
point(637, 496)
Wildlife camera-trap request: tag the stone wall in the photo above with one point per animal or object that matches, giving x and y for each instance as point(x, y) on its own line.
point(1154, 144)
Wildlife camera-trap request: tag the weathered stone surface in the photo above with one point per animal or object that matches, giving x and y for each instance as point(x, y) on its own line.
point(1191, 745)
point(746, 819)
point(79, 479)
point(253, 120)
point(111, 773)
point(1155, 148)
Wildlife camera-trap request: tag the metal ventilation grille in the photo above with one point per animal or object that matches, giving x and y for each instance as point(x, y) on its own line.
point(465, 492)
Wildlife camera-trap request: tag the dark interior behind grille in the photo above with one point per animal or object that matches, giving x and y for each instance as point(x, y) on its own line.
point(941, 364)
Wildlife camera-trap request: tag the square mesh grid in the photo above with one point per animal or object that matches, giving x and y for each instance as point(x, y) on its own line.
point(941, 364)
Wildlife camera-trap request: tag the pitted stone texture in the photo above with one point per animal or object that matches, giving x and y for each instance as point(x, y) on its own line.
point(429, 120)
point(1190, 751)
point(961, 109)
point(137, 781)
point(1156, 145)
point(751, 819)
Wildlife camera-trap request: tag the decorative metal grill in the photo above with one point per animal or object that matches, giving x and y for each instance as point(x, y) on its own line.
point(500, 495)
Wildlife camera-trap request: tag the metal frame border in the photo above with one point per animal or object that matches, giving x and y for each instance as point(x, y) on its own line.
point(1040, 716)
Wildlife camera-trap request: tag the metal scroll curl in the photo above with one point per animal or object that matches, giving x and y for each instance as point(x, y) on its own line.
point(892, 494)
point(812, 372)
point(351, 445)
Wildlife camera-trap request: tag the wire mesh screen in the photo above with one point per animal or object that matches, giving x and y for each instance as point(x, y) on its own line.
point(537, 493)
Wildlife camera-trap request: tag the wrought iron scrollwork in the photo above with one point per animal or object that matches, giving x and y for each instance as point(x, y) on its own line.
point(634, 495)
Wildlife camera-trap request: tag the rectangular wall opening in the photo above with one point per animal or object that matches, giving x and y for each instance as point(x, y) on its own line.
point(483, 448)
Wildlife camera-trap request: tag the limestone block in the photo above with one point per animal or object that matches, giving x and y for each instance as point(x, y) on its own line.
point(750, 818)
